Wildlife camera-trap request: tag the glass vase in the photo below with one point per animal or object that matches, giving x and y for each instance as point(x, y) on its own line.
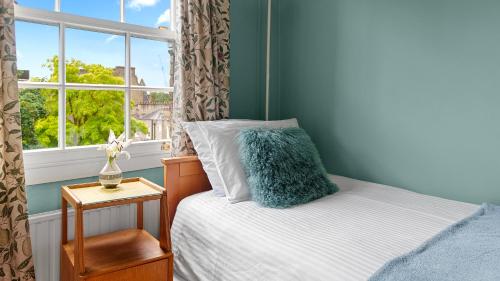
point(111, 175)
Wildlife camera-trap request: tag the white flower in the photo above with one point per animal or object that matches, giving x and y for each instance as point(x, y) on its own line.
point(115, 146)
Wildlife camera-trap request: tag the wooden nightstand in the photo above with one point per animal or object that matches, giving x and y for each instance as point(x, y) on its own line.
point(131, 254)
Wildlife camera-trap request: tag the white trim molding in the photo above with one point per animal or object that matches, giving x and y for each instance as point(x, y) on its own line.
point(51, 165)
point(92, 24)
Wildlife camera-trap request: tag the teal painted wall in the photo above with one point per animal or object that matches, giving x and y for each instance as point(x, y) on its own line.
point(400, 92)
point(275, 77)
point(248, 25)
point(247, 92)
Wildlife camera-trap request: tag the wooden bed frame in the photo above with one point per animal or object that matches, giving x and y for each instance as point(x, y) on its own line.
point(183, 176)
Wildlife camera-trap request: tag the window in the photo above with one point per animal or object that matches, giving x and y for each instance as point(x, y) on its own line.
point(101, 9)
point(84, 70)
point(145, 12)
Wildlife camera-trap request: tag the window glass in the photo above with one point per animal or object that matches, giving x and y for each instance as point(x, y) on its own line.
point(150, 63)
point(38, 4)
point(151, 115)
point(152, 13)
point(90, 114)
point(94, 57)
point(39, 122)
point(35, 61)
point(101, 9)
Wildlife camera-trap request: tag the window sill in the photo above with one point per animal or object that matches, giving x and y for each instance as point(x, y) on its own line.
point(51, 165)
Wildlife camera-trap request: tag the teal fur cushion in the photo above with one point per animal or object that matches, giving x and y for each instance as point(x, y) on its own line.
point(283, 167)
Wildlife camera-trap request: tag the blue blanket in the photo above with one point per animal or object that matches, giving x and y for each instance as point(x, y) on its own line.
point(467, 250)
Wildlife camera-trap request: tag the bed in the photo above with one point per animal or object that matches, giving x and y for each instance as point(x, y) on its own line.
point(345, 236)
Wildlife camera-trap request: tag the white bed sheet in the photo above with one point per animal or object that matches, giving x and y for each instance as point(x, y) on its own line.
point(344, 236)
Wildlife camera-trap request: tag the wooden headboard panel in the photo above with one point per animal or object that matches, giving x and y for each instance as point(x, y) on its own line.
point(183, 176)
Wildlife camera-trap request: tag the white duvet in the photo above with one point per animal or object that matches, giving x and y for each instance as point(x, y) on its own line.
point(345, 236)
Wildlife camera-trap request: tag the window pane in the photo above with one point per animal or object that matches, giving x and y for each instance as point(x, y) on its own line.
point(102, 9)
point(151, 114)
point(94, 57)
point(39, 4)
point(150, 62)
point(37, 49)
point(90, 114)
point(39, 118)
point(153, 13)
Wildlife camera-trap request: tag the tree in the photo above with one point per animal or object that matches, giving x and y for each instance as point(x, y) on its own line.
point(160, 97)
point(32, 109)
point(90, 114)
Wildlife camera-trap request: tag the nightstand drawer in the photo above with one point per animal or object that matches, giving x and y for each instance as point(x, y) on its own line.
point(127, 255)
point(154, 271)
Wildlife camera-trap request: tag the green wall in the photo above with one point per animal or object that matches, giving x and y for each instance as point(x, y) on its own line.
point(400, 92)
point(248, 23)
point(247, 72)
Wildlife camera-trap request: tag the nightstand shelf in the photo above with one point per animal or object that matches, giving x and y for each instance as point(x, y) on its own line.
point(131, 254)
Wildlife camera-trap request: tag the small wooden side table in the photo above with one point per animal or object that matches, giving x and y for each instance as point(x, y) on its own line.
point(131, 254)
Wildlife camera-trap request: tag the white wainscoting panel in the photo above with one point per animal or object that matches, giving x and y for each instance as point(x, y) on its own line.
point(46, 231)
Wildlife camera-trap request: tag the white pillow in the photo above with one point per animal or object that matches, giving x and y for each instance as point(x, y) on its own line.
point(223, 144)
point(202, 148)
point(205, 155)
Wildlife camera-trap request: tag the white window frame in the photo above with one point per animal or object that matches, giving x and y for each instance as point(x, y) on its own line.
point(64, 163)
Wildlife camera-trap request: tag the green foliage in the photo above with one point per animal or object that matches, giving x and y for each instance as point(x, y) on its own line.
point(159, 97)
point(137, 126)
point(90, 114)
point(32, 109)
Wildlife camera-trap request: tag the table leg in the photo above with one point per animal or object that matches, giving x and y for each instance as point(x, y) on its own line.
point(64, 221)
point(164, 224)
point(170, 276)
point(78, 242)
point(140, 215)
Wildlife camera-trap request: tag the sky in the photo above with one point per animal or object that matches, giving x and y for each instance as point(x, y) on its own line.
point(37, 42)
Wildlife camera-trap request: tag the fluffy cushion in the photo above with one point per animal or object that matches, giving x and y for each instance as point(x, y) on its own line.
point(201, 144)
point(283, 167)
point(224, 147)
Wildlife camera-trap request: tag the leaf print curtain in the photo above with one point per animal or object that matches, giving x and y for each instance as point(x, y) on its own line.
point(16, 261)
point(201, 66)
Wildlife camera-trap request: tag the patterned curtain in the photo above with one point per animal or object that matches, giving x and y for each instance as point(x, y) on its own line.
point(201, 66)
point(16, 261)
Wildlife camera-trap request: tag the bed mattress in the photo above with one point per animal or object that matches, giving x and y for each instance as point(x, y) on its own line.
point(345, 236)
